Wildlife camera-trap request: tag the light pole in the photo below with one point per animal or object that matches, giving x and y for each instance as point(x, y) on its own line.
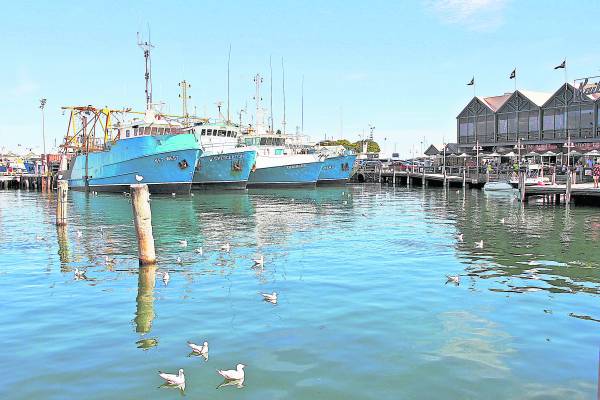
point(569, 145)
point(477, 148)
point(42, 105)
point(519, 147)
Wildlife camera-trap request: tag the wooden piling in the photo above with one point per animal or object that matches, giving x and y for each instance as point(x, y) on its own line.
point(568, 190)
point(61, 203)
point(142, 217)
point(522, 187)
point(464, 182)
point(394, 176)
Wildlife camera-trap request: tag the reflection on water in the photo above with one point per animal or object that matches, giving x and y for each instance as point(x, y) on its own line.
point(361, 273)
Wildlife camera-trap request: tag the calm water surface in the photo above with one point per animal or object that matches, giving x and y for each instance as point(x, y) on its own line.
point(363, 311)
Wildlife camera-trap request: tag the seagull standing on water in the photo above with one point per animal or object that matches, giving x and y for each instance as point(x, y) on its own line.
point(79, 234)
point(199, 250)
point(179, 261)
point(79, 274)
point(271, 298)
point(460, 237)
point(202, 350)
point(166, 278)
point(233, 374)
point(453, 278)
point(173, 379)
point(479, 245)
point(183, 243)
point(502, 221)
point(226, 247)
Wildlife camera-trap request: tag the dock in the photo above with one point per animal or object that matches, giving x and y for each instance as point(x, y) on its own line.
point(26, 181)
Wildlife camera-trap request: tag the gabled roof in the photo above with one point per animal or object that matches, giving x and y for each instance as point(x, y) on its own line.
point(478, 100)
point(537, 98)
point(495, 102)
point(561, 88)
point(432, 151)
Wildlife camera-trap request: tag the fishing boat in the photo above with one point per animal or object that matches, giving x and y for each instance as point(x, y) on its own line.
point(152, 150)
point(497, 186)
point(223, 164)
point(337, 166)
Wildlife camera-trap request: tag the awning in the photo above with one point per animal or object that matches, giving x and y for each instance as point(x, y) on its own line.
point(549, 154)
point(592, 153)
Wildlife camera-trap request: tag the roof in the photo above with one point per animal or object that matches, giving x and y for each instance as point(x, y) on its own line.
point(495, 102)
point(538, 98)
point(432, 150)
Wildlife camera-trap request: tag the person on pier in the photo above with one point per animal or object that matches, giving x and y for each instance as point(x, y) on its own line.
point(596, 173)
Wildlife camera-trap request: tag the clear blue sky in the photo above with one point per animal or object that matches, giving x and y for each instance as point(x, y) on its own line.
point(401, 67)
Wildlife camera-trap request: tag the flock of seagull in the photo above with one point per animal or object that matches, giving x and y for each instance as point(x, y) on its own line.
point(232, 376)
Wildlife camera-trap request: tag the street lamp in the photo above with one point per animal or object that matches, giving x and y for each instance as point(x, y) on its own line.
point(42, 105)
point(569, 145)
point(477, 148)
point(519, 147)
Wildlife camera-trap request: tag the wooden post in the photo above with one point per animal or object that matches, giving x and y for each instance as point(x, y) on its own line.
point(568, 189)
point(145, 299)
point(61, 203)
point(522, 186)
point(142, 217)
point(394, 176)
point(464, 178)
point(445, 183)
point(423, 183)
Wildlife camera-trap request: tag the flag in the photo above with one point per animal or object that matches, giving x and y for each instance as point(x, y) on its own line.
point(472, 82)
point(513, 74)
point(562, 65)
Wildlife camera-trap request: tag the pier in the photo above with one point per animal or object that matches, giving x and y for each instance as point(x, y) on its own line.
point(27, 181)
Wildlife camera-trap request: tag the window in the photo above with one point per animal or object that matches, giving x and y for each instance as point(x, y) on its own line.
point(573, 118)
point(490, 125)
point(587, 117)
point(512, 122)
point(481, 125)
point(203, 132)
point(503, 124)
point(559, 120)
point(548, 120)
point(523, 124)
point(127, 132)
point(462, 130)
point(228, 133)
point(209, 132)
point(533, 121)
point(221, 132)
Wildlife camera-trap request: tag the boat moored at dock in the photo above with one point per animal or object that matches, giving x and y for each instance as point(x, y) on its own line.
point(153, 151)
point(223, 164)
point(337, 167)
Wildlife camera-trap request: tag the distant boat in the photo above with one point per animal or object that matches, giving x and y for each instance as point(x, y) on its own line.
point(337, 166)
point(280, 165)
point(153, 148)
point(223, 164)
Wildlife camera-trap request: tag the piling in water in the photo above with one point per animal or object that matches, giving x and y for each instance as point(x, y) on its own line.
point(61, 203)
point(142, 217)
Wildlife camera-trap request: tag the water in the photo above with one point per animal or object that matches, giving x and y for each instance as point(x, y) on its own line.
point(363, 311)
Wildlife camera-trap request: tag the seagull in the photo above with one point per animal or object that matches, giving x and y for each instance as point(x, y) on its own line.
point(59, 176)
point(192, 194)
point(173, 379)
point(226, 247)
point(460, 237)
point(38, 237)
point(79, 234)
point(79, 274)
point(453, 278)
point(271, 298)
point(179, 260)
point(108, 260)
point(166, 278)
point(502, 221)
point(199, 349)
point(260, 261)
point(232, 374)
point(173, 194)
point(479, 245)
point(199, 250)
point(183, 243)
point(139, 178)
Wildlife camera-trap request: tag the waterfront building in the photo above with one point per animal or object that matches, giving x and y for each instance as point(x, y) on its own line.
point(535, 121)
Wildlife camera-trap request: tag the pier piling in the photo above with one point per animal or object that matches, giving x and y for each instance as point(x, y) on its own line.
point(142, 217)
point(61, 203)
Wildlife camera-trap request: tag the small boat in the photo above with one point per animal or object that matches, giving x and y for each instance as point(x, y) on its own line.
point(223, 164)
point(497, 186)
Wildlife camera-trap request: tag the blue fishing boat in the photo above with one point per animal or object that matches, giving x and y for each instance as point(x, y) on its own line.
point(222, 165)
point(337, 167)
point(153, 151)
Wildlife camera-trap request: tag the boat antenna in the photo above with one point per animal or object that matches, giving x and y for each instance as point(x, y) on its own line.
point(302, 104)
point(146, 46)
point(271, 76)
point(228, 62)
point(283, 82)
point(257, 81)
point(184, 98)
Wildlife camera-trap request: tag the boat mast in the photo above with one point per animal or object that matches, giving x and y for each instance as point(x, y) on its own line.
point(184, 98)
point(259, 120)
point(271, 107)
point(228, 62)
point(146, 46)
point(283, 82)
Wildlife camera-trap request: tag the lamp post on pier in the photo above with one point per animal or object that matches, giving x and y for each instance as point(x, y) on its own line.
point(519, 147)
point(42, 105)
point(477, 149)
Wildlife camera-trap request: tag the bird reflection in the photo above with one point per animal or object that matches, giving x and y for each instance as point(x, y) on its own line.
point(169, 386)
point(144, 314)
point(239, 383)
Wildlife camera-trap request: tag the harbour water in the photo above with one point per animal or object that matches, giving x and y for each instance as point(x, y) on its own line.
point(363, 311)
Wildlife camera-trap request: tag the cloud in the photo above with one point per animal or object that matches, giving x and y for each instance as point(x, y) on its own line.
point(476, 15)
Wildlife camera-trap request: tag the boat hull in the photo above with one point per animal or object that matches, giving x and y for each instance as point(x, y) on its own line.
point(289, 175)
point(336, 170)
point(229, 170)
point(166, 163)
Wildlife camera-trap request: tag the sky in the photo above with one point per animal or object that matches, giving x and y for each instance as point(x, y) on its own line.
point(401, 67)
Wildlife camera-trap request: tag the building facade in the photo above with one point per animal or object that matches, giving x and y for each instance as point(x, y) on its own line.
point(535, 120)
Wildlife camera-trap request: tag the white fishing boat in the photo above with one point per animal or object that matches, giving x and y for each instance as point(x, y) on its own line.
point(497, 186)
